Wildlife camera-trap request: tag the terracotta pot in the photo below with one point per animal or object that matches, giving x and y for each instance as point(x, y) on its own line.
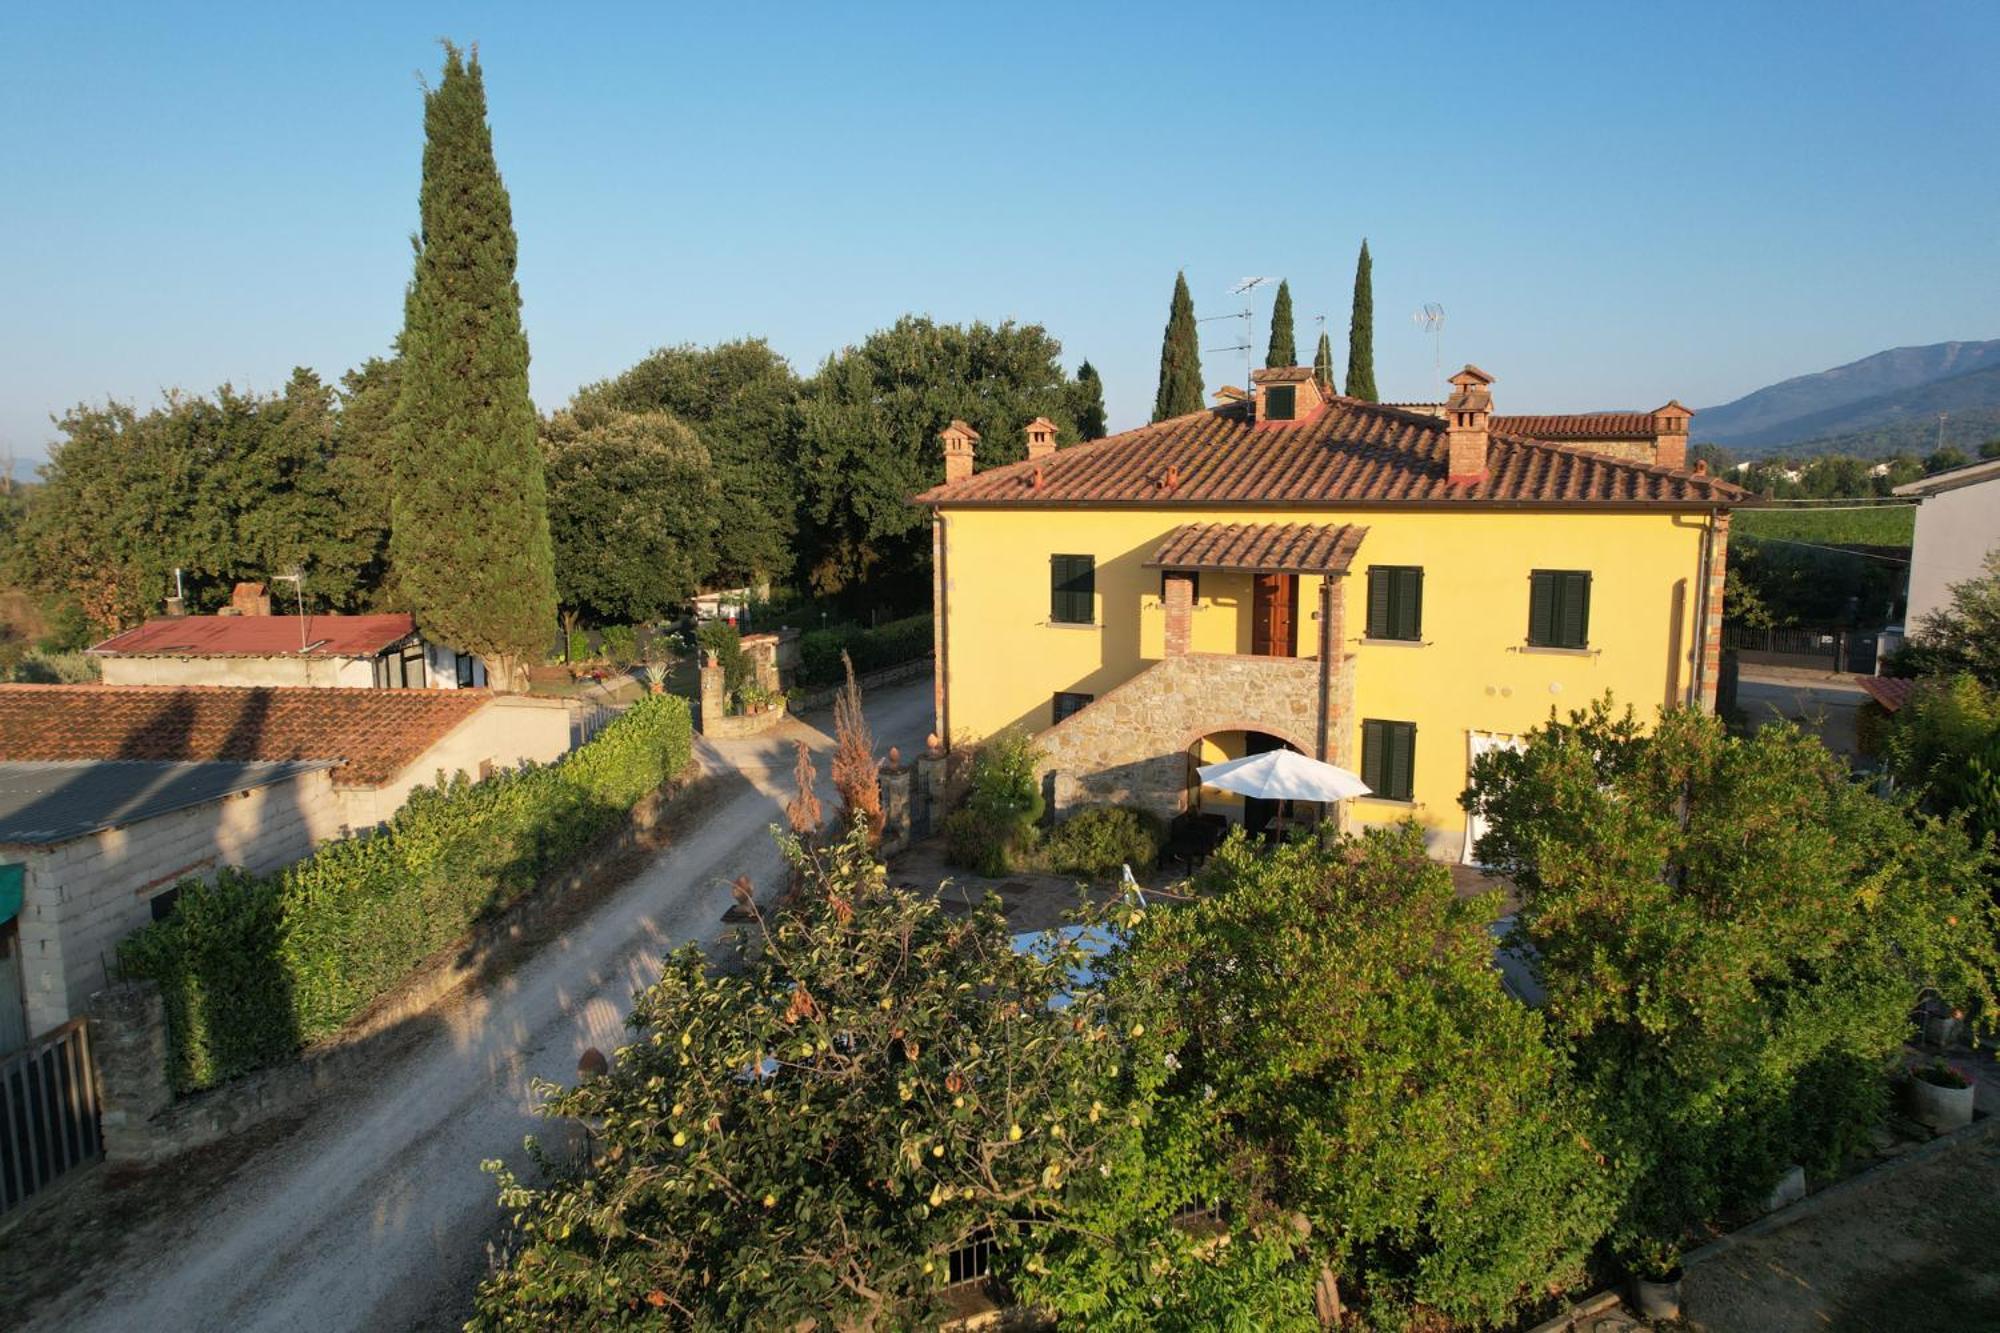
point(1658, 1298)
point(1943, 1109)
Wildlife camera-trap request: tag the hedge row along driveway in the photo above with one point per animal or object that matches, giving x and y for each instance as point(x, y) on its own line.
point(253, 967)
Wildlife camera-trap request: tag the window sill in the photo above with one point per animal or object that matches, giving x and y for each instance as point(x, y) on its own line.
point(1399, 803)
point(1071, 624)
point(1367, 642)
point(1541, 650)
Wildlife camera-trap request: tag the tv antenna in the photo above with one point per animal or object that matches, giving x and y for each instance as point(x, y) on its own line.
point(1248, 345)
point(1429, 318)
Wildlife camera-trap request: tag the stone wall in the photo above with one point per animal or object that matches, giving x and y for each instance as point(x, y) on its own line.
point(1130, 746)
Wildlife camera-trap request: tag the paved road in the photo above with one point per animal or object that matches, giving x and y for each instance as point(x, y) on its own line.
point(375, 1214)
point(1825, 706)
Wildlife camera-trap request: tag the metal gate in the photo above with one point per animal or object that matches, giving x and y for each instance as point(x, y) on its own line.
point(48, 1112)
point(1832, 650)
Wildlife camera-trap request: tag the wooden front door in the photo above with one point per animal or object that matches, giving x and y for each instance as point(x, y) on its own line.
point(1274, 615)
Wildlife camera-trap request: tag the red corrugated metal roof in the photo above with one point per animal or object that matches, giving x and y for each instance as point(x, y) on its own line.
point(375, 734)
point(1353, 453)
point(260, 636)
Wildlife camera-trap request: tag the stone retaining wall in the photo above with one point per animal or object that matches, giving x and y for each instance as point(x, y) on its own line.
point(144, 1125)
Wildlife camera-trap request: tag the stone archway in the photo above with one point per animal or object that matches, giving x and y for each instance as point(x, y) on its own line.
point(1130, 746)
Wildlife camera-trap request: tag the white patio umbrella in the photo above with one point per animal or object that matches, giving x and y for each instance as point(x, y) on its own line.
point(1283, 775)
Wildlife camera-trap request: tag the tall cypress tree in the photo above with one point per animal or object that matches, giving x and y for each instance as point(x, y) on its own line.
point(1323, 360)
point(1284, 343)
point(1089, 403)
point(1361, 331)
point(469, 534)
point(1180, 358)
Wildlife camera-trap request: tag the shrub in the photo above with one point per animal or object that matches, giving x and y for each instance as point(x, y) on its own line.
point(37, 667)
point(1731, 933)
point(994, 832)
point(1350, 1086)
point(576, 646)
point(251, 967)
point(1098, 840)
point(921, 1084)
point(726, 642)
point(886, 645)
point(621, 645)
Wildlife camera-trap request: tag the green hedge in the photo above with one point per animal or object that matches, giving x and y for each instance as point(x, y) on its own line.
point(887, 645)
point(252, 967)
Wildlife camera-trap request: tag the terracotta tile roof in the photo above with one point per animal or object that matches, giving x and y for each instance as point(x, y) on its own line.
point(1890, 691)
point(1352, 453)
point(375, 734)
point(260, 636)
point(1281, 375)
point(1560, 426)
point(1276, 548)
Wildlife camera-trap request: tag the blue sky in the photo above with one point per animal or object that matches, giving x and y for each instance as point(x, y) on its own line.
point(1614, 203)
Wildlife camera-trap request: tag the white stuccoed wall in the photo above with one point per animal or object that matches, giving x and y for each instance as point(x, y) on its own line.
point(510, 730)
point(318, 671)
point(1955, 530)
point(83, 896)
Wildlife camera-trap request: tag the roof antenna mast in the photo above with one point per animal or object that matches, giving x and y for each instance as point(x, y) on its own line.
point(1430, 319)
point(1248, 345)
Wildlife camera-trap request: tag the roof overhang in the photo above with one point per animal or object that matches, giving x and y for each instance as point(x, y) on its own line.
point(1262, 548)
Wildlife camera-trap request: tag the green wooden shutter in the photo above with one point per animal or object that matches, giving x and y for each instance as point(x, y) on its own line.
point(1380, 582)
point(1072, 589)
point(1402, 759)
point(1575, 620)
point(1371, 756)
point(1541, 607)
point(1409, 599)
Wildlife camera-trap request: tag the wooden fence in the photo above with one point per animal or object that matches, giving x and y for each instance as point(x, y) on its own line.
point(48, 1113)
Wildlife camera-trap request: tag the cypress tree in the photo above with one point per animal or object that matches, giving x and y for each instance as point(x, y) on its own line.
point(1361, 331)
point(1284, 344)
point(1089, 403)
point(469, 534)
point(1180, 358)
point(1323, 360)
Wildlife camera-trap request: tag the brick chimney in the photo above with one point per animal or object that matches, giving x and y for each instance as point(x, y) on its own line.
point(958, 439)
point(249, 599)
point(1467, 414)
point(1670, 434)
point(1041, 438)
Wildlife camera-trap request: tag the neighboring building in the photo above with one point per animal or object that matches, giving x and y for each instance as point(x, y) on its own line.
point(1659, 436)
point(1958, 522)
point(1390, 590)
point(111, 795)
point(250, 646)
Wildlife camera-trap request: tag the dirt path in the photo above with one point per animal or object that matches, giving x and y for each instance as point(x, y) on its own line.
point(373, 1213)
point(1915, 1251)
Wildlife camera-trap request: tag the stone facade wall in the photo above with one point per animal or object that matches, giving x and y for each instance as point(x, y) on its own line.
point(1130, 746)
point(81, 897)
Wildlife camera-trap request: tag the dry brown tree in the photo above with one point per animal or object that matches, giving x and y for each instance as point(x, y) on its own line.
point(802, 812)
point(854, 774)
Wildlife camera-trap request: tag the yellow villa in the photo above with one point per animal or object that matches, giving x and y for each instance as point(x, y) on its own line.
point(1392, 589)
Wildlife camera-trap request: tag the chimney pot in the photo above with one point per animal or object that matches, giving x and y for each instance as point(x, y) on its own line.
point(250, 599)
point(1041, 434)
point(1468, 416)
point(959, 440)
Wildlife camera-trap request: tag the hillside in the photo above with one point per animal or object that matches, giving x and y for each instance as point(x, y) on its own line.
point(1905, 420)
point(1882, 402)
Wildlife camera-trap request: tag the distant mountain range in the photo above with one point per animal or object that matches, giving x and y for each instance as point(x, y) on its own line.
point(1882, 404)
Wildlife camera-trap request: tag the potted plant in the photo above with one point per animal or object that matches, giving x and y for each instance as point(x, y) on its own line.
point(1940, 1096)
point(1656, 1278)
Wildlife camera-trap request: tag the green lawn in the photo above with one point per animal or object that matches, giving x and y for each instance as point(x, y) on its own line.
point(1885, 526)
